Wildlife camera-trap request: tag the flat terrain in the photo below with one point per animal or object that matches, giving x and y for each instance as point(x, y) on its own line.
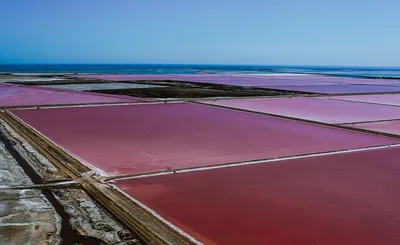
point(199, 158)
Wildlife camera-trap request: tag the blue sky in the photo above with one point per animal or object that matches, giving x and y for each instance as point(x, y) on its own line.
point(270, 32)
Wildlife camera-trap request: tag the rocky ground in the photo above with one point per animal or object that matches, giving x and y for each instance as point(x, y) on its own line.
point(26, 215)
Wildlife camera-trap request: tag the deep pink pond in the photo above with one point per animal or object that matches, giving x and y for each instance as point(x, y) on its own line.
point(349, 198)
point(134, 139)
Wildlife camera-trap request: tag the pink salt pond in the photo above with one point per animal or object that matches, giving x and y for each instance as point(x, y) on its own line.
point(348, 198)
point(134, 139)
point(345, 80)
point(389, 127)
point(235, 80)
point(336, 88)
point(306, 81)
point(385, 99)
point(14, 96)
point(315, 109)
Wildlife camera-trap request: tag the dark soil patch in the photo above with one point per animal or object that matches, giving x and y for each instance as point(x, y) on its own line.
point(178, 92)
point(182, 89)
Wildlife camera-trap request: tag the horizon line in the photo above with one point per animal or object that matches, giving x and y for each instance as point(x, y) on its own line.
point(194, 64)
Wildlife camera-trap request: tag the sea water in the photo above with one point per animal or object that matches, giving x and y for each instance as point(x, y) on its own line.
point(374, 72)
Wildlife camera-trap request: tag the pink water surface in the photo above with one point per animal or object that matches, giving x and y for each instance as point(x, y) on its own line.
point(336, 88)
point(244, 79)
point(390, 127)
point(12, 95)
point(386, 99)
point(346, 80)
point(238, 80)
point(133, 139)
point(315, 109)
point(349, 198)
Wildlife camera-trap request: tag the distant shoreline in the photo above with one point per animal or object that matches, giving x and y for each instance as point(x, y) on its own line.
point(68, 69)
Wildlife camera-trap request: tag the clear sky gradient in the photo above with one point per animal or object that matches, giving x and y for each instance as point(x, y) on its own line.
point(270, 32)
